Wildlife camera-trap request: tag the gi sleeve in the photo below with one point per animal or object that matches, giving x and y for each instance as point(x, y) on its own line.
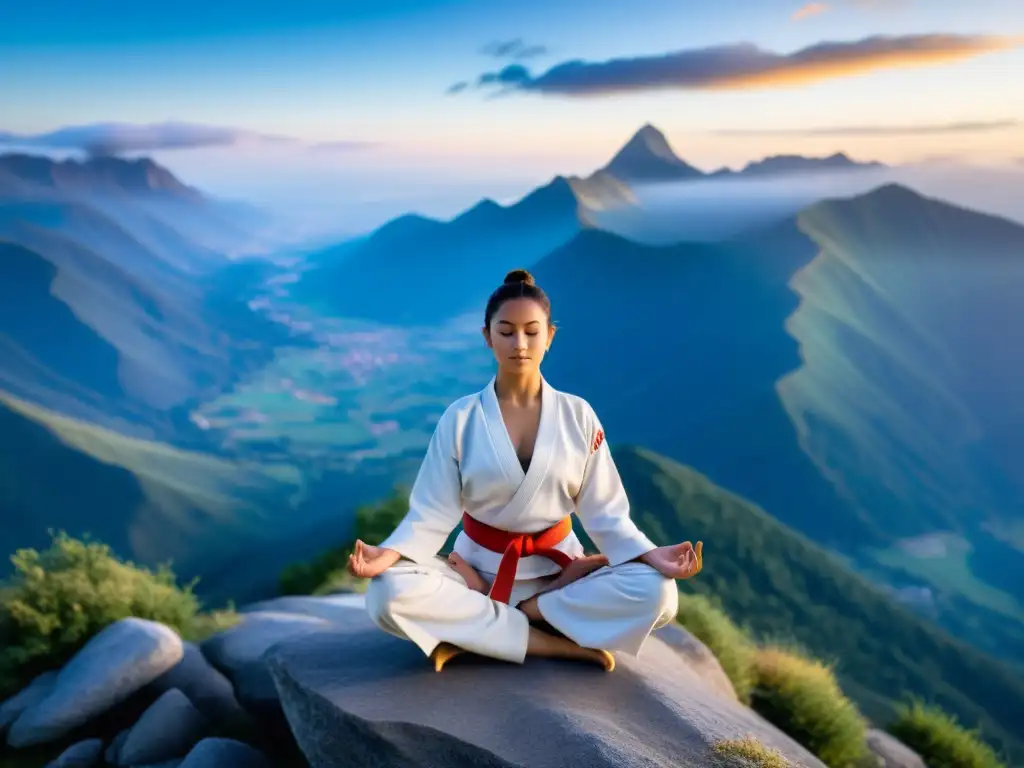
point(602, 506)
point(435, 502)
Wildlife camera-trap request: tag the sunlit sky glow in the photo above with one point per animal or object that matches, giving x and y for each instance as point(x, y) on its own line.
point(728, 81)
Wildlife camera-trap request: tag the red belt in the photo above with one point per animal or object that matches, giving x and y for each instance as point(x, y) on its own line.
point(512, 546)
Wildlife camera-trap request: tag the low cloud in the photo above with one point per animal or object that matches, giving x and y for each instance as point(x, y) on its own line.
point(513, 49)
point(743, 65)
point(877, 130)
point(100, 139)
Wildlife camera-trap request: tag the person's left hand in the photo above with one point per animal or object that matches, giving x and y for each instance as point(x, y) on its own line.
point(679, 561)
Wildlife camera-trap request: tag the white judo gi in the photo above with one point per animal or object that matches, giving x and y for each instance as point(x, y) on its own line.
point(471, 465)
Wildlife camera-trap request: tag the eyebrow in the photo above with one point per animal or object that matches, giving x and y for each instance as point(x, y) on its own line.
point(509, 322)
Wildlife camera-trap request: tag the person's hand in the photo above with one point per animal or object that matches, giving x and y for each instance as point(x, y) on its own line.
point(679, 561)
point(367, 561)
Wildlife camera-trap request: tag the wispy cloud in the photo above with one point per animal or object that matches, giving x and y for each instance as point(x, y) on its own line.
point(121, 138)
point(877, 130)
point(808, 10)
point(744, 65)
point(513, 49)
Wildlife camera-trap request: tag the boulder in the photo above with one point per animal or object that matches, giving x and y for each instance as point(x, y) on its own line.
point(114, 748)
point(892, 752)
point(238, 652)
point(361, 697)
point(218, 753)
point(84, 754)
point(167, 730)
point(113, 665)
point(207, 688)
point(33, 693)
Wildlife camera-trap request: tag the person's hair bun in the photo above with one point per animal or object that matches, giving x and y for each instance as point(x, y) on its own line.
point(519, 276)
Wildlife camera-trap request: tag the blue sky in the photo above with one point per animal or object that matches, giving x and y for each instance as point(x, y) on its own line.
point(377, 72)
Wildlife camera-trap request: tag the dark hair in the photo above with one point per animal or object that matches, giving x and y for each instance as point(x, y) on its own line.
point(518, 284)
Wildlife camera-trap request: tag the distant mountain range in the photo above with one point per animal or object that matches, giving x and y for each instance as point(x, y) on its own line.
point(648, 158)
point(381, 277)
point(118, 257)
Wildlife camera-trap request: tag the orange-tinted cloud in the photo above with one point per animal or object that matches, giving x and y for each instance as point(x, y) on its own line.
point(745, 66)
point(808, 10)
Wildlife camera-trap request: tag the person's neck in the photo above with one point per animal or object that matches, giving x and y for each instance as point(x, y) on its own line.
point(518, 388)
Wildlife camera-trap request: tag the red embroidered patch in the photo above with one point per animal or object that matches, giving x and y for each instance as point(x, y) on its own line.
point(598, 439)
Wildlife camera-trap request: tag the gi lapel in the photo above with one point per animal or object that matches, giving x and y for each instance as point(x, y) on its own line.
point(530, 482)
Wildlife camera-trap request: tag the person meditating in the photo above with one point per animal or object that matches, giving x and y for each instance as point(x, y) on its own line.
point(512, 463)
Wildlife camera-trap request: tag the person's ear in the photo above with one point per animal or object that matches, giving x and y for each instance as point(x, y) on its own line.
point(551, 334)
point(487, 335)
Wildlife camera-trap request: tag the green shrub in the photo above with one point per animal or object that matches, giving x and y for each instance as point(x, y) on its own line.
point(940, 740)
point(327, 572)
point(801, 697)
point(748, 753)
point(60, 598)
point(730, 644)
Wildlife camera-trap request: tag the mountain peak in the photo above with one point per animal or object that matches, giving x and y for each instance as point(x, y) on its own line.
point(648, 156)
point(136, 176)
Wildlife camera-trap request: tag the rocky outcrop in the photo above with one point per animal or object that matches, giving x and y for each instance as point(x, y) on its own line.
point(316, 673)
point(113, 665)
point(361, 697)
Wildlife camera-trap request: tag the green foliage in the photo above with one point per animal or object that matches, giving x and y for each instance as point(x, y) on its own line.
point(327, 572)
point(730, 644)
point(58, 599)
point(783, 587)
point(940, 740)
point(748, 753)
point(802, 698)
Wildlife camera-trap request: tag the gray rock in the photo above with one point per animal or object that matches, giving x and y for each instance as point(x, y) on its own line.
point(238, 651)
point(31, 694)
point(112, 666)
point(239, 646)
point(337, 608)
point(84, 754)
point(114, 748)
point(892, 752)
point(699, 657)
point(206, 687)
point(167, 730)
point(365, 698)
point(219, 753)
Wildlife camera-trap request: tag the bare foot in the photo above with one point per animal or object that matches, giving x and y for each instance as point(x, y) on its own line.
point(473, 579)
point(577, 569)
point(444, 653)
point(606, 660)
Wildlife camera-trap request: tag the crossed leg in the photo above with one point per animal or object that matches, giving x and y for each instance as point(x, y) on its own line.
point(610, 609)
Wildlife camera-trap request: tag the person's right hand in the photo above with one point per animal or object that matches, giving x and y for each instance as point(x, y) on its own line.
point(367, 561)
